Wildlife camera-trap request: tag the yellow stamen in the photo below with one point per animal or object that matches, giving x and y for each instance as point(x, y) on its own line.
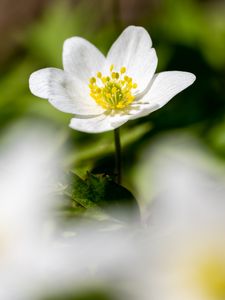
point(113, 92)
point(113, 75)
point(93, 80)
point(123, 70)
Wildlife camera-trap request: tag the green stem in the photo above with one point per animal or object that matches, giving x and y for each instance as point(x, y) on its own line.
point(118, 160)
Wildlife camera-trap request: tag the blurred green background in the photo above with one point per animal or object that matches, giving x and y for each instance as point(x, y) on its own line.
point(188, 35)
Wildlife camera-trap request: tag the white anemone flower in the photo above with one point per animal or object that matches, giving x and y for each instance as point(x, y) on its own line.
point(102, 92)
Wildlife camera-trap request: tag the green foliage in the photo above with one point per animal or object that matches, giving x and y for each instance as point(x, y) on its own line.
point(91, 295)
point(102, 145)
point(190, 23)
point(216, 138)
point(45, 39)
point(101, 192)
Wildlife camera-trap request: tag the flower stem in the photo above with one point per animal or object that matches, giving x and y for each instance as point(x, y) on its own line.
point(118, 162)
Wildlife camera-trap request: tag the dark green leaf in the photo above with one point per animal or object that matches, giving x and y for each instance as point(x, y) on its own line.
point(100, 191)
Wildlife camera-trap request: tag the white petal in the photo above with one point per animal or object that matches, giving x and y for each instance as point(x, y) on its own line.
point(164, 87)
point(143, 111)
point(82, 59)
point(63, 92)
point(41, 81)
point(97, 124)
point(133, 50)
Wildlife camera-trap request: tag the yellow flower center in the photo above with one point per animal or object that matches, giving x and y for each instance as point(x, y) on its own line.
point(204, 272)
point(114, 91)
point(211, 277)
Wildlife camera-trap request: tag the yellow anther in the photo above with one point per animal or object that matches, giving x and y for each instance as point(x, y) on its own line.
point(123, 70)
point(99, 75)
point(113, 75)
point(113, 91)
point(130, 84)
point(92, 80)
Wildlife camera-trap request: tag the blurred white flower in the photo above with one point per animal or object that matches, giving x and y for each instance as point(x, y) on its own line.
point(105, 92)
point(24, 206)
point(178, 254)
point(38, 254)
point(183, 251)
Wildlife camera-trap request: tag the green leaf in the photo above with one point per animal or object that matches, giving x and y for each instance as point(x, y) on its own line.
point(101, 192)
point(79, 192)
